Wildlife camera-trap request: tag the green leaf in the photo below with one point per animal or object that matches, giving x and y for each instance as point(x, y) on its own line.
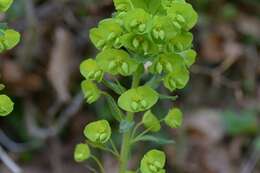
point(153, 162)
point(174, 118)
point(156, 139)
point(115, 111)
point(167, 97)
point(90, 70)
point(151, 122)
point(98, 131)
point(138, 99)
point(125, 126)
point(5, 4)
point(115, 62)
point(81, 152)
point(6, 105)
point(90, 91)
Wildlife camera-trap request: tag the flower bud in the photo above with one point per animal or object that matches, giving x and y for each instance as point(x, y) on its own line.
point(134, 106)
point(125, 68)
point(168, 67)
point(136, 43)
point(144, 104)
point(91, 75)
point(121, 7)
point(98, 75)
point(145, 47)
point(180, 18)
point(111, 36)
point(162, 35)
point(101, 44)
point(176, 24)
point(155, 34)
point(134, 23)
point(142, 27)
point(172, 84)
point(81, 152)
point(117, 43)
point(159, 68)
point(112, 65)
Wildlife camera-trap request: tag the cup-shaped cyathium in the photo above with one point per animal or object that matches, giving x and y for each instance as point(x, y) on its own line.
point(153, 162)
point(138, 99)
point(98, 131)
point(90, 90)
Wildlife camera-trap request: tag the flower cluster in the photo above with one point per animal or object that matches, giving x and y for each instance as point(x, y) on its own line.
point(8, 39)
point(142, 37)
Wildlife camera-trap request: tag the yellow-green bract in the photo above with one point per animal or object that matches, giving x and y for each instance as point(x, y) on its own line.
point(90, 70)
point(153, 162)
point(6, 105)
point(5, 4)
point(174, 118)
point(138, 99)
point(90, 91)
point(151, 122)
point(98, 131)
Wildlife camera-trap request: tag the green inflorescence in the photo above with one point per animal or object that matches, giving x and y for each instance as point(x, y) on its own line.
point(8, 39)
point(143, 37)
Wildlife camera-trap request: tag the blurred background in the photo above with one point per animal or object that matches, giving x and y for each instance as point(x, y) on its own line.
point(221, 131)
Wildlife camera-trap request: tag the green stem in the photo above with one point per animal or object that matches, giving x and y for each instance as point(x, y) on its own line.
point(102, 170)
point(126, 143)
point(114, 147)
point(103, 148)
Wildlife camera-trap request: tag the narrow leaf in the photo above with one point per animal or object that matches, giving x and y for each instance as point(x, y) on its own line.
point(116, 112)
point(160, 141)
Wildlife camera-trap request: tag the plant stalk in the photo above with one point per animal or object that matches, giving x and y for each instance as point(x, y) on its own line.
point(126, 143)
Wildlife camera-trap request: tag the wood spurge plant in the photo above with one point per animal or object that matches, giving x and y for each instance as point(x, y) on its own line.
point(8, 39)
point(149, 41)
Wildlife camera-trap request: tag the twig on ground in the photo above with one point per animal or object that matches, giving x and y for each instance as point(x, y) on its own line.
point(250, 164)
point(9, 162)
point(43, 133)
